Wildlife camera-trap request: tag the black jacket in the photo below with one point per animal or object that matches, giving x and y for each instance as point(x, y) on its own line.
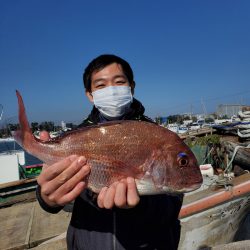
point(152, 224)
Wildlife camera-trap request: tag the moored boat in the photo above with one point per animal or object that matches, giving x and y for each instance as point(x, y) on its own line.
point(244, 133)
point(244, 114)
point(7, 139)
point(207, 213)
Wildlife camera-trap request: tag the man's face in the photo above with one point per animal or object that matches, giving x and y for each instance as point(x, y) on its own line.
point(111, 75)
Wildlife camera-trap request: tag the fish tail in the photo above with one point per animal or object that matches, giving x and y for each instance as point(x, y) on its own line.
point(24, 136)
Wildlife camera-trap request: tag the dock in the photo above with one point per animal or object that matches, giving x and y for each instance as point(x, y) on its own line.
point(197, 132)
point(26, 225)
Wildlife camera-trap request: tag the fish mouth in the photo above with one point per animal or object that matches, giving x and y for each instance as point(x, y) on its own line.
point(182, 190)
point(147, 187)
point(191, 188)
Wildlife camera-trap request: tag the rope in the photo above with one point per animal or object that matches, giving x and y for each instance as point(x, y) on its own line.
point(224, 180)
point(229, 165)
point(207, 155)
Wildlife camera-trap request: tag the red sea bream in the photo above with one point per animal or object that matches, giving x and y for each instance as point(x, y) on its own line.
point(156, 157)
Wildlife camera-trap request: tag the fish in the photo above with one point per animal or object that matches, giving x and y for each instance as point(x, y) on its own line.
point(156, 157)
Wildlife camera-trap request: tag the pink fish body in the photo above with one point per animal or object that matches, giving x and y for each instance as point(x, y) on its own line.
point(156, 157)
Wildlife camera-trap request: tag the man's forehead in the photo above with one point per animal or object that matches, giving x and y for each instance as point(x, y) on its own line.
point(113, 68)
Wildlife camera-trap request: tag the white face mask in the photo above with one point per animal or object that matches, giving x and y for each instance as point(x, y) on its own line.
point(113, 101)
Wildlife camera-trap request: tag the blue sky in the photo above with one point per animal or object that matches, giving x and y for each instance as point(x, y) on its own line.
point(183, 53)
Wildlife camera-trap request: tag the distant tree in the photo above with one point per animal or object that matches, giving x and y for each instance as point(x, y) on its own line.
point(224, 117)
point(47, 125)
point(194, 118)
point(69, 125)
point(209, 119)
point(214, 115)
point(175, 119)
point(57, 128)
point(34, 126)
point(186, 118)
point(13, 127)
point(158, 120)
point(7, 129)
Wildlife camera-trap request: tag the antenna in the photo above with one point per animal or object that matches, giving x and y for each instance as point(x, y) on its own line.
point(191, 111)
point(1, 111)
point(203, 107)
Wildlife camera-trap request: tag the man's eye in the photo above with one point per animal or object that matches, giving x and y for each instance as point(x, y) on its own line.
point(100, 86)
point(121, 82)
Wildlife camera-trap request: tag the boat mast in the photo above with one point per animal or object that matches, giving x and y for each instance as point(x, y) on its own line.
point(1, 111)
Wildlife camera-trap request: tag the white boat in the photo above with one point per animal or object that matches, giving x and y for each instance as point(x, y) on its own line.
point(9, 165)
point(8, 139)
point(246, 119)
point(245, 131)
point(178, 129)
point(244, 125)
point(244, 114)
point(194, 126)
point(13, 165)
point(213, 215)
point(182, 129)
point(222, 121)
point(245, 134)
point(174, 127)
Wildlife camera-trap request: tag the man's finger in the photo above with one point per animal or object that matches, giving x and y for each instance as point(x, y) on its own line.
point(56, 169)
point(132, 193)
point(76, 178)
point(44, 136)
point(100, 198)
point(108, 201)
point(76, 191)
point(63, 180)
point(120, 199)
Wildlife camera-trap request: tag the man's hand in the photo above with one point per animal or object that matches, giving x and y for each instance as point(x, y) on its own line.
point(63, 181)
point(122, 194)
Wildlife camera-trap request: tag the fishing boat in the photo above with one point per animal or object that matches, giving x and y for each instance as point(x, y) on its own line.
point(174, 127)
point(182, 129)
point(13, 165)
point(244, 125)
point(244, 133)
point(9, 165)
point(244, 114)
point(8, 139)
point(219, 206)
point(222, 204)
point(177, 128)
point(194, 126)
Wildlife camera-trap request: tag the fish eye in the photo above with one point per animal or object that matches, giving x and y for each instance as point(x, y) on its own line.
point(182, 159)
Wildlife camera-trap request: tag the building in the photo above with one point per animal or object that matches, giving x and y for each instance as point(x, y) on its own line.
point(228, 110)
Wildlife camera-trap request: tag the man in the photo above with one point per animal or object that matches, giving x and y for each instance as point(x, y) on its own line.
point(117, 218)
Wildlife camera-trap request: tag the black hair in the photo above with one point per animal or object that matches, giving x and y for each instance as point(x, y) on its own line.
point(101, 62)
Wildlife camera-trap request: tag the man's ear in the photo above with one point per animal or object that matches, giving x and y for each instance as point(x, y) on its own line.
point(89, 95)
point(132, 85)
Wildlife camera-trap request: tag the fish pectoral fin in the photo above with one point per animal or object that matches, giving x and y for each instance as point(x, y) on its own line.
point(105, 171)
